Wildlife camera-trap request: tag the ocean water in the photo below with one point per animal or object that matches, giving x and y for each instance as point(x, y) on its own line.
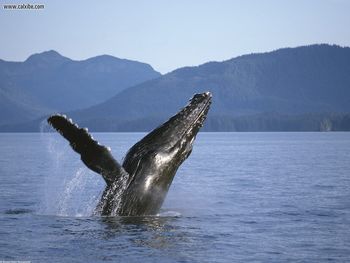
point(240, 197)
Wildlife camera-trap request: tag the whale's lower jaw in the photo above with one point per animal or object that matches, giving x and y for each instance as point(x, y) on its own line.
point(139, 186)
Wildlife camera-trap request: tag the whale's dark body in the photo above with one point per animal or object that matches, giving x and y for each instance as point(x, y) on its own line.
point(140, 184)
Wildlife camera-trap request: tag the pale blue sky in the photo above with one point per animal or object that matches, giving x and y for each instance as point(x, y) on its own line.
point(171, 34)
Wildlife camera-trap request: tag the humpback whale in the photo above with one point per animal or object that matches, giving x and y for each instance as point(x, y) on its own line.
point(139, 186)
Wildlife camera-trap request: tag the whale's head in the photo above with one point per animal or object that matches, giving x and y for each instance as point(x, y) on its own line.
point(153, 161)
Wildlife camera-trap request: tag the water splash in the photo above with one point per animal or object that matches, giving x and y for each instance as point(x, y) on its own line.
point(69, 188)
point(111, 199)
point(70, 201)
point(169, 214)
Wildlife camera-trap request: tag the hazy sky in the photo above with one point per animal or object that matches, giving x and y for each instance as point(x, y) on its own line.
point(171, 34)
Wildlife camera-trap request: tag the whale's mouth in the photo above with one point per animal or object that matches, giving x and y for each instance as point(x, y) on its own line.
point(180, 131)
point(180, 128)
point(183, 127)
point(193, 115)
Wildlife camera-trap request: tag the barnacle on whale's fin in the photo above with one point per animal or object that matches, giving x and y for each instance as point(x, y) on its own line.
point(95, 156)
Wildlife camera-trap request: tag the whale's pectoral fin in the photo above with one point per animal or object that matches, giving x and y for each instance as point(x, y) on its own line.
point(95, 156)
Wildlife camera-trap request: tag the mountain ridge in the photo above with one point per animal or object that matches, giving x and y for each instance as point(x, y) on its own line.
point(307, 79)
point(48, 81)
point(312, 82)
